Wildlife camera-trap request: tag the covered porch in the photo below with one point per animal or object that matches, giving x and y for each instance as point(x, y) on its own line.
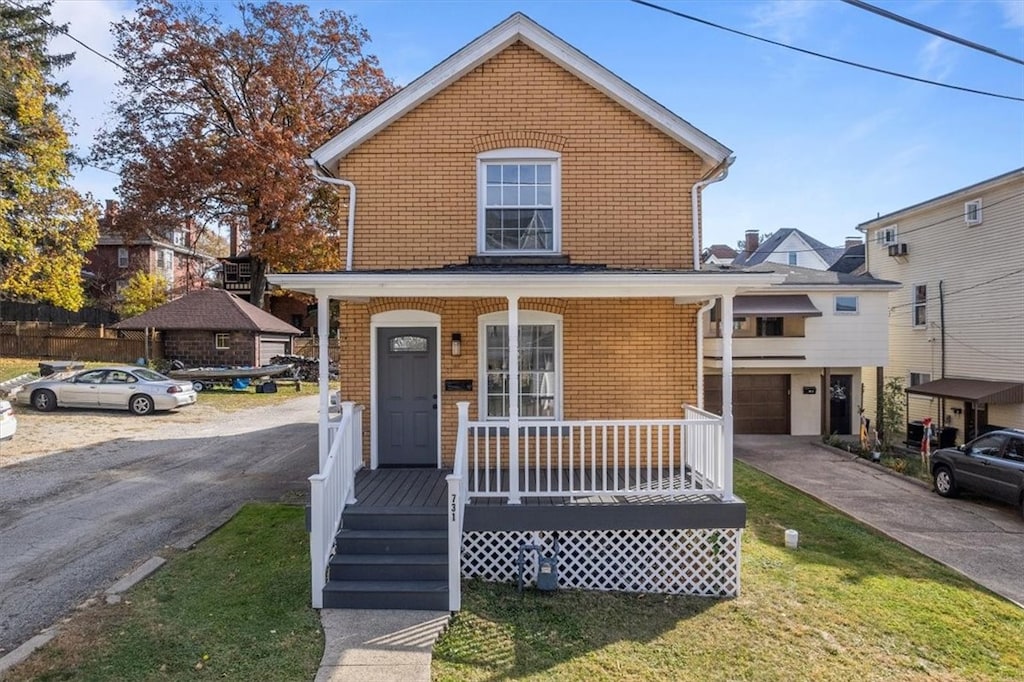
point(634, 503)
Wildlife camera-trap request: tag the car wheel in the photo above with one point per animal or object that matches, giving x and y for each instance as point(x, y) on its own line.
point(198, 386)
point(140, 404)
point(945, 485)
point(44, 400)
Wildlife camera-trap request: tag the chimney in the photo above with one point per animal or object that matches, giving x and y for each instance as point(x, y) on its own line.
point(233, 242)
point(753, 238)
point(110, 212)
point(852, 241)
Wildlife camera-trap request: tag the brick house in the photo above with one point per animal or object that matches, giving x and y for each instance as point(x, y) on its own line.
point(519, 323)
point(215, 328)
point(114, 259)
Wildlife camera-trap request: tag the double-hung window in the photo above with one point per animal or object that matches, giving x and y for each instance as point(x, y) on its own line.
point(886, 235)
point(540, 371)
point(518, 202)
point(122, 257)
point(919, 305)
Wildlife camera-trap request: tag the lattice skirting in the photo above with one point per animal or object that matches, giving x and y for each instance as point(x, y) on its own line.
point(703, 561)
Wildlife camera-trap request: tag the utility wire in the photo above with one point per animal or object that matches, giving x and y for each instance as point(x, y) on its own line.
point(947, 294)
point(928, 29)
point(858, 65)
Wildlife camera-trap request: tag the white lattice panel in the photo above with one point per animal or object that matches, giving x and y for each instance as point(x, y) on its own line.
point(702, 561)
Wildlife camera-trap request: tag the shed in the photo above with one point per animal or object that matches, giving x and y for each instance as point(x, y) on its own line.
point(215, 328)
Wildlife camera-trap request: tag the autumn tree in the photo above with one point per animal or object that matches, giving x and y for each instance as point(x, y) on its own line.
point(215, 119)
point(45, 226)
point(143, 292)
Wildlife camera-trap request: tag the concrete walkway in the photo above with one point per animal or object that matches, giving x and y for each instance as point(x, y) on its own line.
point(982, 540)
point(378, 646)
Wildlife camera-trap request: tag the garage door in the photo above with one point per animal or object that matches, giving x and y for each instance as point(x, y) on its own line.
point(271, 346)
point(760, 402)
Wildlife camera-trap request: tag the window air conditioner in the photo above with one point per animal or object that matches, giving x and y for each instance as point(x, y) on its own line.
point(898, 249)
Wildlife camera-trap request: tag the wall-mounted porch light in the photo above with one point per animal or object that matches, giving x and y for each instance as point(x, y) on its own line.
point(456, 344)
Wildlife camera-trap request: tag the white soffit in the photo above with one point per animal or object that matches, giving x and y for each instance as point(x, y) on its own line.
point(520, 27)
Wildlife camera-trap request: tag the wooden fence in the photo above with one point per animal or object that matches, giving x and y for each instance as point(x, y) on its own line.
point(76, 343)
point(309, 347)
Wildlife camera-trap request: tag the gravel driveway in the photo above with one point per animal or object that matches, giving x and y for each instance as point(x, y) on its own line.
point(88, 495)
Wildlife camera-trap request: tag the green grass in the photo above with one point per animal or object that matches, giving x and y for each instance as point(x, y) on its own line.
point(848, 605)
point(235, 607)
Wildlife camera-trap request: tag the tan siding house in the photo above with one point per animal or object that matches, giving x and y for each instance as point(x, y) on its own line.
point(956, 327)
point(521, 316)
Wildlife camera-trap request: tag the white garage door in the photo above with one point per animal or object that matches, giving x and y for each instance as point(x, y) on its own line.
point(271, 346)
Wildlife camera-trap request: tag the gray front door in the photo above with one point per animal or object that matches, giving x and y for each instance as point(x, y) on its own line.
point(406, 397)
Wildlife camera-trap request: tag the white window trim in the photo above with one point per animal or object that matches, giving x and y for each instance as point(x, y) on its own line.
point(217, 341)
point(522, 155)
point(526, 318)
point(887, 235)
point(974, 203)
point(122, 257)
point(856, 305)
point(914, 305)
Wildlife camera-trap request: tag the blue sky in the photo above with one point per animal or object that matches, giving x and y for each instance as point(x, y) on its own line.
point(820, 146)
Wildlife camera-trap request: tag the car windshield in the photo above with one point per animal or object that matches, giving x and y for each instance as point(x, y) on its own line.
point(149, 375)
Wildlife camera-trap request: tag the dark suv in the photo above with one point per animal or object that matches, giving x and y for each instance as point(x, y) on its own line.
point(990, 465)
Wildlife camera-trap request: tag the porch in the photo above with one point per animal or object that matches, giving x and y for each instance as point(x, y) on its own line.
point(629, 505)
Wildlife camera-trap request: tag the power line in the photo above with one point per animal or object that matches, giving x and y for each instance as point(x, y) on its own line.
point(947, 294)
point(858, 65)
point(928, 29)
point(978, 350)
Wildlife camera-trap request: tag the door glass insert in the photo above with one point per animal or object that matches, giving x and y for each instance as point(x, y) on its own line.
point(408, 344)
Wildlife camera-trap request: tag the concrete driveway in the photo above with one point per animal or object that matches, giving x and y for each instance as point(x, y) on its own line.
point(982, 540)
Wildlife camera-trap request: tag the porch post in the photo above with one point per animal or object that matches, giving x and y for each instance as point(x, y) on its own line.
point(513, 400)
point(727, 423)
point(323, 317)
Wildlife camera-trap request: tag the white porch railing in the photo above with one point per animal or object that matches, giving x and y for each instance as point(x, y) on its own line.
point(332, 489)
point(456, 507)
point(639, 458)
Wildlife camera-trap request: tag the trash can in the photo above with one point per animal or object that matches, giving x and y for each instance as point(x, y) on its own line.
point(947, 437)
point(915, 432)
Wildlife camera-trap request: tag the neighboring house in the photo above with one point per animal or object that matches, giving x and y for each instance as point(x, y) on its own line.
point(521, 317)
point(113, 261)
point(718, 254)
point(852, 260)
point(956, 327)
point(789, 247)
point(236, 277)
point(798, 351)
point(215, 328)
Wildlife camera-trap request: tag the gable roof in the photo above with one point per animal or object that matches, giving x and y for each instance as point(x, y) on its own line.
point(851, 259)
point(208, 310)
point(721, 251)
point(829, 254)
point(520, 28)
point(796, 276)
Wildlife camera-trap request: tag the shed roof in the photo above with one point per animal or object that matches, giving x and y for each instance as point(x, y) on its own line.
point(209, 310)
point(972, 390)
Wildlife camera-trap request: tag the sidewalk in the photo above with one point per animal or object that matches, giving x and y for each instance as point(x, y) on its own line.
point(982, 540)
point(378, 646)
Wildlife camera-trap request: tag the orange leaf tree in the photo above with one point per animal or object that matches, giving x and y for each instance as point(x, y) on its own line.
point(215, 119)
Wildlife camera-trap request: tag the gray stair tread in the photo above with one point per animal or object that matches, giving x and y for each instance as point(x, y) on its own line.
point(372, 559)
point(387, 586)
point(388, 511)
point(388, 534)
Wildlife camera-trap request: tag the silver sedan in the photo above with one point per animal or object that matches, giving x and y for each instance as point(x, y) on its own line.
point(137, 389)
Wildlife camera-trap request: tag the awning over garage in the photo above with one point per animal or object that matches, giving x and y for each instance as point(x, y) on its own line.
point(972, 390)
point(776, 305)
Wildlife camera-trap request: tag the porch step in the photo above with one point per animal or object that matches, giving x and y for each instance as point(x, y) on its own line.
point(395, 518)
point(423, 595)
point(415, 541)
point(376, 567)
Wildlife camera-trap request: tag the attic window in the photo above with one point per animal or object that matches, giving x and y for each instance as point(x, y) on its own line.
point(518, 201)
point(886, 236)
point(972, 212)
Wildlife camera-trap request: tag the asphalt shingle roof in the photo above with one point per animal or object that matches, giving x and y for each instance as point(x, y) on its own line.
point(208, 310)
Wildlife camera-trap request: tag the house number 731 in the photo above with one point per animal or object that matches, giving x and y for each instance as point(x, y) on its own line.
point(455, 498)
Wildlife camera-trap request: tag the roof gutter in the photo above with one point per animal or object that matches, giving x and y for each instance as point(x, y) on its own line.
point(720, 172)
point(321, 174)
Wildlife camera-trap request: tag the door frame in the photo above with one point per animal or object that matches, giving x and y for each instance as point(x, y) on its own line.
point(401, 318)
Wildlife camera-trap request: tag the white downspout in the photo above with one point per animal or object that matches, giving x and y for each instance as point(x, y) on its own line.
point(319, 175)
point(694, 199)
point(700, 351)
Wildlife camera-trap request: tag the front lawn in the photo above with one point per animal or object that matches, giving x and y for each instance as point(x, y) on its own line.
point(847, 605)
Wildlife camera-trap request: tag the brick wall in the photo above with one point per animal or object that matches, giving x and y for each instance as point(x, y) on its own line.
point(625, 185)
point(198, 349)
point(622, 358)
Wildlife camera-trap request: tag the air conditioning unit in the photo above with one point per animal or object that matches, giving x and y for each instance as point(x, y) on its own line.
point(897, 249)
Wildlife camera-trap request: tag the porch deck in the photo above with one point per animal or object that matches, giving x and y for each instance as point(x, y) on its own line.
point(427, 488)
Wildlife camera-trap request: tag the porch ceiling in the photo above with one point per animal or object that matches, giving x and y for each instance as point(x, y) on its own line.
point(684, 285)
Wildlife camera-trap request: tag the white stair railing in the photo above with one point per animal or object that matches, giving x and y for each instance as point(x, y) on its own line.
point(331, 490)
point(456, 508)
